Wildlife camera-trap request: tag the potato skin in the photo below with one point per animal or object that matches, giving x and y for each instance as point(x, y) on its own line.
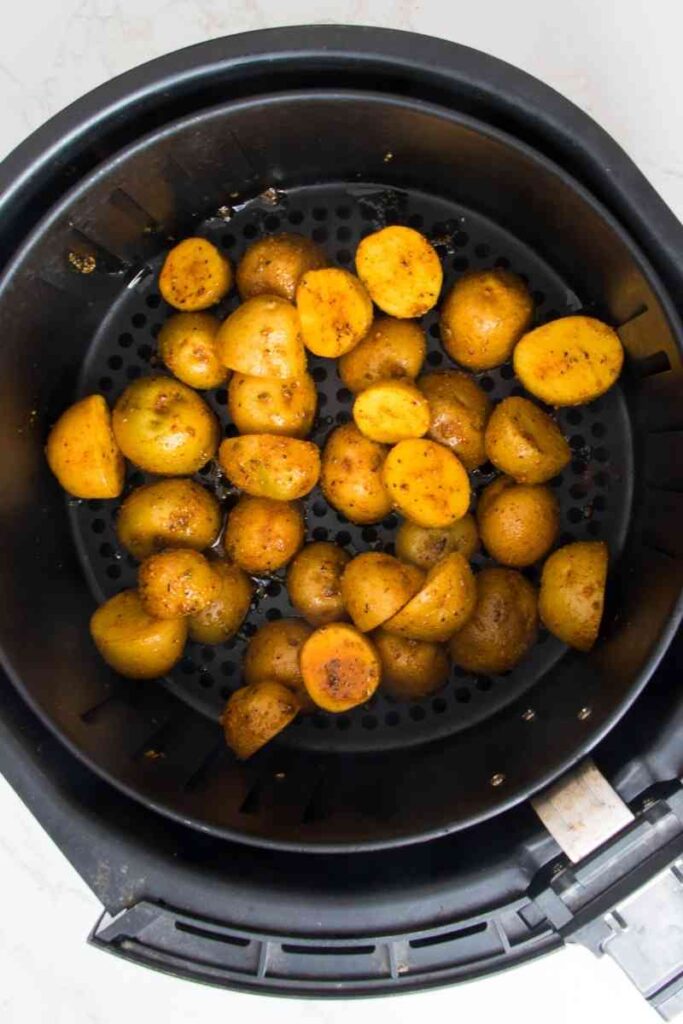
point(176, 582)
point(424, 546)
point(335, 311)
point(270, 466)
point(340, 667)
point(374, 586)
point(518, 523)
point(272, 405)
point(459, 414)
point(262, 535)
point(483, 316)
point(255, 714)
point(195, 275)
point(426, 483)
point(262, 338)
point(391, 411)
point(275, 265)
point(314, 583)
point(273, 653)
point(392, 348)
point(401, 270)
point(524, 442)
point(82, 451)
point(411, 669)
point(134, 643)
point(351, 475)
point(442, 605)
point(168, 513)
point(221, 619)
point(503, 626)
point(187, 346)
point(573, 592)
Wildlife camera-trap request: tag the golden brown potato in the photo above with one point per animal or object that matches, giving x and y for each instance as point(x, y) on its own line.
point(187, 345)
point(314, 583)
point(459, 414)
point(442, 605)
point(503, 626)
point(374, 586)
point(340, 667)
point(391, 411)
point(262, 535)
point(133, 642)
point(273, 653)
point(172, 513)
point(524, 442)
point(483, 317)
point(411, 669)
point(570, 361)
point(426, 483)
point(573, 592)
point(164, 427)
point(82, 451)
point(262, 338)
point(518, 523)
point(195, 275)
point(351, 475)
point(272, 405)
point(335, 311)
point(255, 714)
point(424, 547)
point(401, 271)
point(391, 348)
point(271, 466)
point(275, 265)
point(221, 619)
point(177, 582)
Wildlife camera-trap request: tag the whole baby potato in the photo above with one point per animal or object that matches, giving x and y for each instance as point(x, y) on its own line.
point(573, 592)
point(262, 535)
point(518, 523)
point(133, 642)
point(375, 585)
point(459, 412)
point(270, 466)
point(187, 346)
point(275, 265)
point(391, 411)
point(195, 275)
point(401, 270)
point(314, 583)
point(483, 317)
point(424, 546)
point(273, 653)
point(219, 621)
point(272, 405)
point(502, 629)
point(426, 483)
point(411, 669)
point(262, 338)
point(335, 311)
point(442, 605)
point(524, 442)
point(82, 451)
point(255, 714)
point(351, 475)
point(391, 348)
point(177, 582)
point(168, 513)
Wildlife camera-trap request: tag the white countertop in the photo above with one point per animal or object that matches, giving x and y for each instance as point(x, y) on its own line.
point(618, 59)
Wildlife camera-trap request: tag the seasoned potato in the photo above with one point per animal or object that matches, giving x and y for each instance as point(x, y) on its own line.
point(340, 667)
point(524, 442)
point(314, 583)
point(335, 311)
point(177, 582)
point(573, 592)
point(187, 345)
point(273, 653)
point(271, 466)
point(411, 669)
point(502, 628)
point(275, 265)
point(391, 411)
point(195, 275)
point(424, 546)
point(459, 413)
point(401, 271)
point(262, 535)
point(255, 714)
point(272, 405)
point(351, 475)
point(391, 348)
point(426, 483)
point(443, 604)
point(374, 586)
point(484, 316)
point(221, 619)
point(82, 451)
point(168, 514)
point(570, 361)
point(262, 338)
point(164, 427)
point(133, 642)
point(518, 523)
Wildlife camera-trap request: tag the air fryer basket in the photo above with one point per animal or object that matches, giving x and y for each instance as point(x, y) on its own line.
point(333, 165)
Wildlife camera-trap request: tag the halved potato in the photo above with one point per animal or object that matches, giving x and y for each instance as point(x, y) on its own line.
point(255, 714)
point(442, 605)
point(391, 411)
point(177, 582)
point(483, 316)
point(335, 311)
point(573, 592)
point(524, 442)
point(401, 270)
point(275, 265)
point(195, 275)
point(340, 667)
point(270, 466)
point(272, 405)
point(82, 451)
point(262, 338)
point(518, 523)
point(172, 513)
point(503, 626)
point(314, 583)
point(273, 653)
point(374, 586)
point(411, 669)
point(133, 642)
point(262, 535)
point(187, 345)
point(391, 348)
point(426, 483)
point(425, 546)
point(351, 475)
point(459, 413)
point(221, 619)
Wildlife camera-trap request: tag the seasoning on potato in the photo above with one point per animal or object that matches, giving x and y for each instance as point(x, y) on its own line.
point(273, 653)
point(275, 265)
point(172, 513)
point(262, 535)
point(314, 583)
point(391, 411)
point(459, 414)
point(272, 405)
point(187, 346)
point(195, 275)
point(133, 642)
point(82, 451)
point(524, 442)
point(220, 620)
point(177, 582)
point(503, 627)
point(483, 317)
point(518, 523)
point(374, 586)
point(255, 714)
point(573, 592)
point(426, 483)
point(401, 270)
point(270, 465)
point(340, 667)
point(391, 348)
point(335, 311)
point(425, 546)
point(262, 338)
point(442, 605)
point(351, 475)
point(411, 669)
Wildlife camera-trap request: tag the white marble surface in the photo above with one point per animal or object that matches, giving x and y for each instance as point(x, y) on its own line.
point(621, 61)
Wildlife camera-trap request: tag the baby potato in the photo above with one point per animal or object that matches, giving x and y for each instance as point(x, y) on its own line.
point(187, 345)
point(442, 605)
point(351, 475)
point(255, 714)
point(275, 265)
point(459, 413)
point(335, 311)
point(424, 546)
point(262, 338)
point(314, 583)
point(518, 523)
point(340, 667)
point(271, 466)
point(426, 483)
point(391, 411)
point(221, 619)
point(82, 451)
point(195, 275)
point(273, 405)
point(177, 582)
point(524, 442)
point(483, 317)
point(132, 641)
point(391, 348)
point(374, 586)
point(262, 535)
point(164, 427)
point(411, 669)
point(273, 653)
point(503, 626)
point(168, 514)
point(573, 592)
point(401, 271)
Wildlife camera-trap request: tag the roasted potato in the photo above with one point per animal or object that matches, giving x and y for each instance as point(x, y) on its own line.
point(335, 311)
point(273, 653)
point(483, 317)
point(459, 414)
point(314, 583)
point(442, 605)
point(374, 586)
point(426, 483)
point(391, 348)
point(401, 271)
point(524, 442)
point(573, 592)
point(133, 642)
point(187, 345)
point(270, 466)
point(177, 582)
point(503, 626)
point(275, 265)
point(221, 619)
point(518, 523)
point(340, 667)
point(255, 714)
point(424, 546)
point(164, 427)
point(569, 361)
point(272, 405)
point(262, 338)
point(262, 535)
point(172, 513)
point(351, 475)
point(411, 669)
point(195, 275)
point(82, 451)
point(391, 411)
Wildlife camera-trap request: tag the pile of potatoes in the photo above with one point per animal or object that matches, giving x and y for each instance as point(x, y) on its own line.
point(371, 619)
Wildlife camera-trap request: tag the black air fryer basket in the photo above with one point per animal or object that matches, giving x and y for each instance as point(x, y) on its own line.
point(332, 132)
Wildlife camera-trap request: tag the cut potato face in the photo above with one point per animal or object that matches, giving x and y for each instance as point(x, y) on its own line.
point(374, 586)
point(502, 629)
point(340, 666)
point(255, 714)
point(351, 475)
point(314, 583)
point(442, 605)
point(187, 345)
point(411, 669)
point(195, 275)
point(392, 348)
point(459, 414)
point(518, 523)
point(262, 338)
point(177, 582)
point(82, 451)
point(272, 405)
point(220, 620)
point(391, 411)
point(424, 546)
point(401, 270)
point(270, 466)
point(168, 514)
point(484, 316)
point(273, 653)
point(133, 642)
point(524, 442)
point(275, 265)
point(426, 483)
point(573, 592)
point(262, 535)
point(335, 311)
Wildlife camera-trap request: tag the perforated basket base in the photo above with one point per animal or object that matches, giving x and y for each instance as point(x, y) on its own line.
point(593, 491)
